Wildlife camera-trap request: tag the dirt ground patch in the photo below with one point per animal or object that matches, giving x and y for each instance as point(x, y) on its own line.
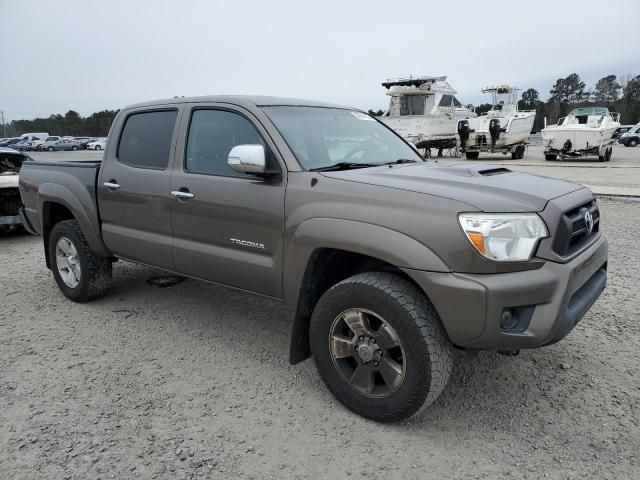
point(192, 381)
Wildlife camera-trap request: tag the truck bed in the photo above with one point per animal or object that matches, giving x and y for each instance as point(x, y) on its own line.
point(41, 180)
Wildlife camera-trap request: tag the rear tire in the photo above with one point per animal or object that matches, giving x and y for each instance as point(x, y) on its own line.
point(91, 273)
point(50, 149)
point(550, 157)
point(74, 148)
point(472, 155)
point(414, 357)
point(632, 143)
point(518, 153)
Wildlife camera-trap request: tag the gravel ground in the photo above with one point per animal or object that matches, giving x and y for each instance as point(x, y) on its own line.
point(193, 381)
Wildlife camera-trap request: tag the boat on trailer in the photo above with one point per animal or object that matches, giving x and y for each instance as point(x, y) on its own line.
point(424, 111)
point(503, 129)
point(584, 132)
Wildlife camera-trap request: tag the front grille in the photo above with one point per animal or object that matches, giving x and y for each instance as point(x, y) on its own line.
point(573, 232)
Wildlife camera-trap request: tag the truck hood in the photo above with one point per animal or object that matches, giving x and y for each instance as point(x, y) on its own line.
point(489, 188)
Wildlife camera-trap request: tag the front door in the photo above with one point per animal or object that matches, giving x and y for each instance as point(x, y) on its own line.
point(134, 187)
point(227, 226)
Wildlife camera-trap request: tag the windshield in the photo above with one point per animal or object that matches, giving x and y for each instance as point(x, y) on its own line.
point(321, 137)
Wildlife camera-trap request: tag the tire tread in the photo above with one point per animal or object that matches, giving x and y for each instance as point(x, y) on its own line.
point(437, 368)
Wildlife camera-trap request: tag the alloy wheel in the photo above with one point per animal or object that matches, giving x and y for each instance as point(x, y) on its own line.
point(367, 353)
point(68, 262)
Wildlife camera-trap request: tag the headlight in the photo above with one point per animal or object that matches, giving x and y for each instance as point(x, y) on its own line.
point(504, 237)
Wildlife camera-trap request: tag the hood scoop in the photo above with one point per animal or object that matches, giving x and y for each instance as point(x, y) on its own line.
point(489, 172)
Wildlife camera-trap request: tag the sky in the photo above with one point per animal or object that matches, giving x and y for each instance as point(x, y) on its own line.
point(90, 56)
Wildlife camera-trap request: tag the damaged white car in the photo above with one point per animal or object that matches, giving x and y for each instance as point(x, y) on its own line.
point(10, 202)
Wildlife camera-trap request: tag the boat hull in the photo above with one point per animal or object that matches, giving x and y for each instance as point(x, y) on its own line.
point(555, 138)
point(514, 131)
point(428, 130)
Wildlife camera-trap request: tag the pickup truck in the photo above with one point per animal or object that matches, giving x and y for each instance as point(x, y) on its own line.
point(389, 262)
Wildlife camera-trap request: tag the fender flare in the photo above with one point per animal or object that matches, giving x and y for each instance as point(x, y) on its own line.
point(53, 193)
point(369, 239)
point(374, 241)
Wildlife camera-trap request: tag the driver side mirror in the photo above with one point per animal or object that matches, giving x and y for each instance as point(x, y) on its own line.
point(248, 159)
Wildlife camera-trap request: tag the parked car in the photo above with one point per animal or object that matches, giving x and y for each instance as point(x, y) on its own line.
point(9, 142)
point(10, 203)
point(632, 137)
point(23, 145)
point(84, 143)
point(42, 144)
point(62, 144)
point(97, 144)
point(34, 136)
point(389, 261)
point(620, 131)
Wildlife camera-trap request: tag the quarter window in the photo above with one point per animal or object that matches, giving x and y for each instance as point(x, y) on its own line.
point(146, 139)
point(212, 135)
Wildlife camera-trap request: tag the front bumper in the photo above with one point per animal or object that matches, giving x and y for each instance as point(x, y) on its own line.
point(550, 301)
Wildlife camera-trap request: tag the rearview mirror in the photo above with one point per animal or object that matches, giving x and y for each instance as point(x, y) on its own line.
point(247, 159)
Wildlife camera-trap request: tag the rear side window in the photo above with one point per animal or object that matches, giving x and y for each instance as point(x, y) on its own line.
point(146, 139)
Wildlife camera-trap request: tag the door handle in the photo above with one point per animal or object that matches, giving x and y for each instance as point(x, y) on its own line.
point(182, 195)
point(111, 185)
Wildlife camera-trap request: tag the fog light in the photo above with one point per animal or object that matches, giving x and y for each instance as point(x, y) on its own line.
point(516, 319)
point(508, 320)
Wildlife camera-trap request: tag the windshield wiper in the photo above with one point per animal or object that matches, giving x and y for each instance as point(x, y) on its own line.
point(343, 166)
point(401, 160)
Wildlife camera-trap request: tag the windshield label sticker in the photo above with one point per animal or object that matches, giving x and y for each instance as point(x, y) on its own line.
point(362, 116)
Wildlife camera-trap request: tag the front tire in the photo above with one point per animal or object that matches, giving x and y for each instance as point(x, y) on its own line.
point(50, 149)
point(80, 274)
point(98, 147)
point(74, 148)
point(632, 143)
point(472, 155)
point(379, 346)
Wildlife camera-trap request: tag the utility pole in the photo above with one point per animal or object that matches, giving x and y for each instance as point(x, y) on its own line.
point(4, 129)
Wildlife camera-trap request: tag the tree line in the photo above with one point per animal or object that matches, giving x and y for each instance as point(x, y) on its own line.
point(71, 123)
point(618, 95)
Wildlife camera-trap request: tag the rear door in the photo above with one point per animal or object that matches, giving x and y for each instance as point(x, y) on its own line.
point(134, 186)
point(231, 229)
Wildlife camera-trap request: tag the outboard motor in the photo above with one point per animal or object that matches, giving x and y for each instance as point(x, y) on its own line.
point(463, 132)
point(567, 146)
point(494, 130)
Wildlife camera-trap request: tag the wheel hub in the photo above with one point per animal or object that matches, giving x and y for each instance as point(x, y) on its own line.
point(368, 350)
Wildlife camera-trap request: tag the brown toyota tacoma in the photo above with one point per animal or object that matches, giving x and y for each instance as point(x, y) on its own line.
point(389, 261)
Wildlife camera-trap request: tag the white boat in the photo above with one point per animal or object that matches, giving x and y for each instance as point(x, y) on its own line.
point(424, 111)
point(584, 132)
point(503, 129)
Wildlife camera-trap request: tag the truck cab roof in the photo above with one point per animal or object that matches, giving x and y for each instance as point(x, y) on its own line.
point(242, 100)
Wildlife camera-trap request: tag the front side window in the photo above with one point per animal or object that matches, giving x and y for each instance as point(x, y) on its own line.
point(321, 137)
point(146, 139)
point(212, 135)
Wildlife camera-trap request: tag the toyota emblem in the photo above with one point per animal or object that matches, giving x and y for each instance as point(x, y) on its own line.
point(588, 221)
